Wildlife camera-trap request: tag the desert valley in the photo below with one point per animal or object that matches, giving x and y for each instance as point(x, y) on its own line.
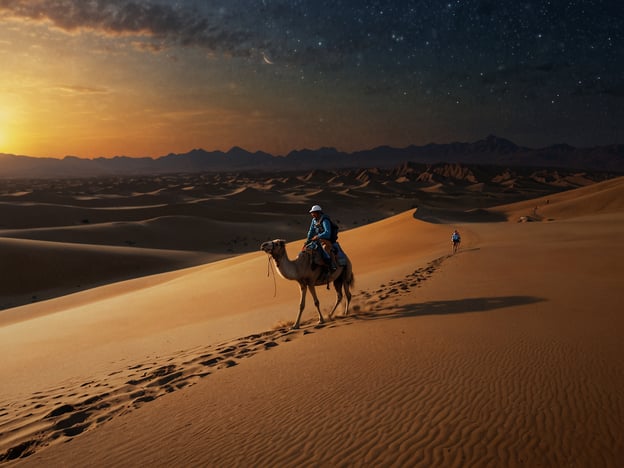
point(140, 324)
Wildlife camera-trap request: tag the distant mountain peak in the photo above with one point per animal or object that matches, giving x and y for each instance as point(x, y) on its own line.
point(492, 150)
point(323, 151)
point(494, 141)
point(237, 151)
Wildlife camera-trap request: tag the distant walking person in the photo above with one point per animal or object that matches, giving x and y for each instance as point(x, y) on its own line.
point(456, 240)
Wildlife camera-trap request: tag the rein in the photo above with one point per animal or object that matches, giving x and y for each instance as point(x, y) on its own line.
point(269, 270)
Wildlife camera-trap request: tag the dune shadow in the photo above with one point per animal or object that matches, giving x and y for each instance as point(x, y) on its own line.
point(461, 306)
point(446, 216)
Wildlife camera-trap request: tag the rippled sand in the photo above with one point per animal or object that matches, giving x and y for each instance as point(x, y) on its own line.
point(507, 353)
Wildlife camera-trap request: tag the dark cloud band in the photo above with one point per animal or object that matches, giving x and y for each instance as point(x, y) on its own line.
point(174, 26)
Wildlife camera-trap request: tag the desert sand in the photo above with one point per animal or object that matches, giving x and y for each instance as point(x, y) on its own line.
point(165, 340)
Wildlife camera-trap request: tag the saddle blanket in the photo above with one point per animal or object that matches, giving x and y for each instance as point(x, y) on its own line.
point(341, 258)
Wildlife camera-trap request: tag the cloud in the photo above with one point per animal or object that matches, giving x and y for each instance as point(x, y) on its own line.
point(165, 23)
point(78, 89)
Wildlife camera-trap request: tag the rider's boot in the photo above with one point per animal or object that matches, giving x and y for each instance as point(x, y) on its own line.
point(332, 261)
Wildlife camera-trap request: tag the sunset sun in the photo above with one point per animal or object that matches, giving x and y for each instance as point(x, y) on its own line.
point(4, 131)
point(4, 140)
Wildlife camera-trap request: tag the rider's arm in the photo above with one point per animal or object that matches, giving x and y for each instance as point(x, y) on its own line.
point(326, 234)
point(311, 232)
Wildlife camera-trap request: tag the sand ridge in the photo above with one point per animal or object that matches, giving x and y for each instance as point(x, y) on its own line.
point(58, 414)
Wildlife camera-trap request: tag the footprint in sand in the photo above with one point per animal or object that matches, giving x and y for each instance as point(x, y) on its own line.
point(63, 413)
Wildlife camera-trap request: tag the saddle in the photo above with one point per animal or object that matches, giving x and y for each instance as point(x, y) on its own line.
point(317, 259)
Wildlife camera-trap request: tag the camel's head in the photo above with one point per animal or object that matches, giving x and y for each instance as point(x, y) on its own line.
point(274, 247)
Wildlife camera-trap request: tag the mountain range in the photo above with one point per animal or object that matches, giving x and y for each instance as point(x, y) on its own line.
point(492, 150)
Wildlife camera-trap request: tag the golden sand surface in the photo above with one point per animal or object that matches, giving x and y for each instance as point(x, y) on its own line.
point(507, 353)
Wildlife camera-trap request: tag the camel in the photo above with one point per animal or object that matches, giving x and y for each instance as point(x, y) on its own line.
point(306, 271)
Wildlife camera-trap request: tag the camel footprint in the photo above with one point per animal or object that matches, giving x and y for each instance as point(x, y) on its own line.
point(28, 427)
point(403, 286)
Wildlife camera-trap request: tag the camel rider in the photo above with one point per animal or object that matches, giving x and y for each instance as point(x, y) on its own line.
point(321, 231)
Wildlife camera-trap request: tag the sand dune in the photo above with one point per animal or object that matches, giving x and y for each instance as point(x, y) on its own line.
point(58, 268)
point(506, 354)
point(211, 215)
point(605, 197)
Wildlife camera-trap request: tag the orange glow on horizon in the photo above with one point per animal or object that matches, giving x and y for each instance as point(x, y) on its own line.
point(93, 95)
point(5, 132)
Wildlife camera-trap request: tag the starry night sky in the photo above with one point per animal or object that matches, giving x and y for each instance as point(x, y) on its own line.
point(277, 75)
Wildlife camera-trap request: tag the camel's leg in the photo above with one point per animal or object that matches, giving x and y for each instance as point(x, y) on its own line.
point(316, 303)
point(303, 288)
point(348, 297)
point(338, 288)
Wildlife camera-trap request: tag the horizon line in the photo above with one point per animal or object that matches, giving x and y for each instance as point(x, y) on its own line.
point(332, 148)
